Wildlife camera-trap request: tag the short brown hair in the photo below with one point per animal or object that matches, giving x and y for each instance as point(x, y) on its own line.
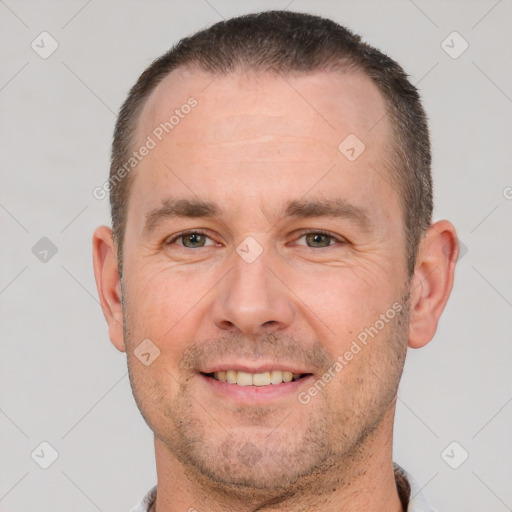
point(285, 42)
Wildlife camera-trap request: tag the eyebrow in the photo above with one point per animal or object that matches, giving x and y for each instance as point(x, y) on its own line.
point(336, 208)
point(196, 208)
point(176, 208)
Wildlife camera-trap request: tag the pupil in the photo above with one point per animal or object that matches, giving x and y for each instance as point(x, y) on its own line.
point(316, 238)
point(195, 238)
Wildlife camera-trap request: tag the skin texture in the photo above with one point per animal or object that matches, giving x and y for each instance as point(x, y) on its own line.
point(253, 143)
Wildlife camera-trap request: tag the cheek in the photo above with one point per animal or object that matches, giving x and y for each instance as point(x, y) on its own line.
point(164, 305)
point(341, 302)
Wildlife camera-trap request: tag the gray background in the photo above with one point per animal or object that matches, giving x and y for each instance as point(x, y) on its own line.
point(63, 382)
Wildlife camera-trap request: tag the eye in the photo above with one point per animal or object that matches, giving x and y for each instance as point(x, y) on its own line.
point(191, 240)
point(319, 239)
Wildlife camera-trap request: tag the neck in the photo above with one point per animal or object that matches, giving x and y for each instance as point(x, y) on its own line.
point(363, 481)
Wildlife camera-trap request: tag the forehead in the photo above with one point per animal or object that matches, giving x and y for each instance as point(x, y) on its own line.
point(256, 133)
point(242, 104)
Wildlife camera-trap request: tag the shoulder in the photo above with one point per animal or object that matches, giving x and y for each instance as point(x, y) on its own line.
point(410, 492)
point(147, 501)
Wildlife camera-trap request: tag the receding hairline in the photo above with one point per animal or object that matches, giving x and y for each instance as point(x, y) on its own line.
point(191, 69)
point(294, 42)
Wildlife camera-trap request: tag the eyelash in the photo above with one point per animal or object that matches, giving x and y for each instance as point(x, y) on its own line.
point(302, 233)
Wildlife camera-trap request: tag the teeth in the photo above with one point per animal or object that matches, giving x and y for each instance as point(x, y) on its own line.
point(276, 377)
point(244, 379)
point(260, 379)
point(255, 379)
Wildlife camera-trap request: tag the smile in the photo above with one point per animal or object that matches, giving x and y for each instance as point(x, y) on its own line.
point(242, 378)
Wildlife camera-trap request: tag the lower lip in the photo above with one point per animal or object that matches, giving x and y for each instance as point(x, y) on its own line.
point(255, 394)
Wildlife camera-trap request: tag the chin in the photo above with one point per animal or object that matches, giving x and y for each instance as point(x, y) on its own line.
point(258, 460)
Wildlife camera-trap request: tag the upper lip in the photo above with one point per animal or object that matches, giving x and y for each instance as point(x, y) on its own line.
point(259, 368)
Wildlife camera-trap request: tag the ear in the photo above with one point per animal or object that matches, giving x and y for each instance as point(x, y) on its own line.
point(432, 281)
point(106, 273)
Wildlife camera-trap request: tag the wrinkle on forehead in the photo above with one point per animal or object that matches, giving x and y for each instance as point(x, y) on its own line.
point(237, 108)
point(250, 138)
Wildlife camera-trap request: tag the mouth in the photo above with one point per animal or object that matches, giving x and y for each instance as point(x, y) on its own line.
point(266, 378)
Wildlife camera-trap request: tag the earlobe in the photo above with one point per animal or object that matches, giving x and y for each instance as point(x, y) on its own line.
point(106, 273)
point(432, 282)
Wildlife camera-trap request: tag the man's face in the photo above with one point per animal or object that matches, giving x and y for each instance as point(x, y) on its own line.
point(264, 285)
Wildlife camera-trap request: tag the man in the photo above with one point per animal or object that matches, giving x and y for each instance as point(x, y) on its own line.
point(271, 259)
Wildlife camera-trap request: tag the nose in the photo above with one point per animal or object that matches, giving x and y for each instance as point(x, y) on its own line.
point(252, 299)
